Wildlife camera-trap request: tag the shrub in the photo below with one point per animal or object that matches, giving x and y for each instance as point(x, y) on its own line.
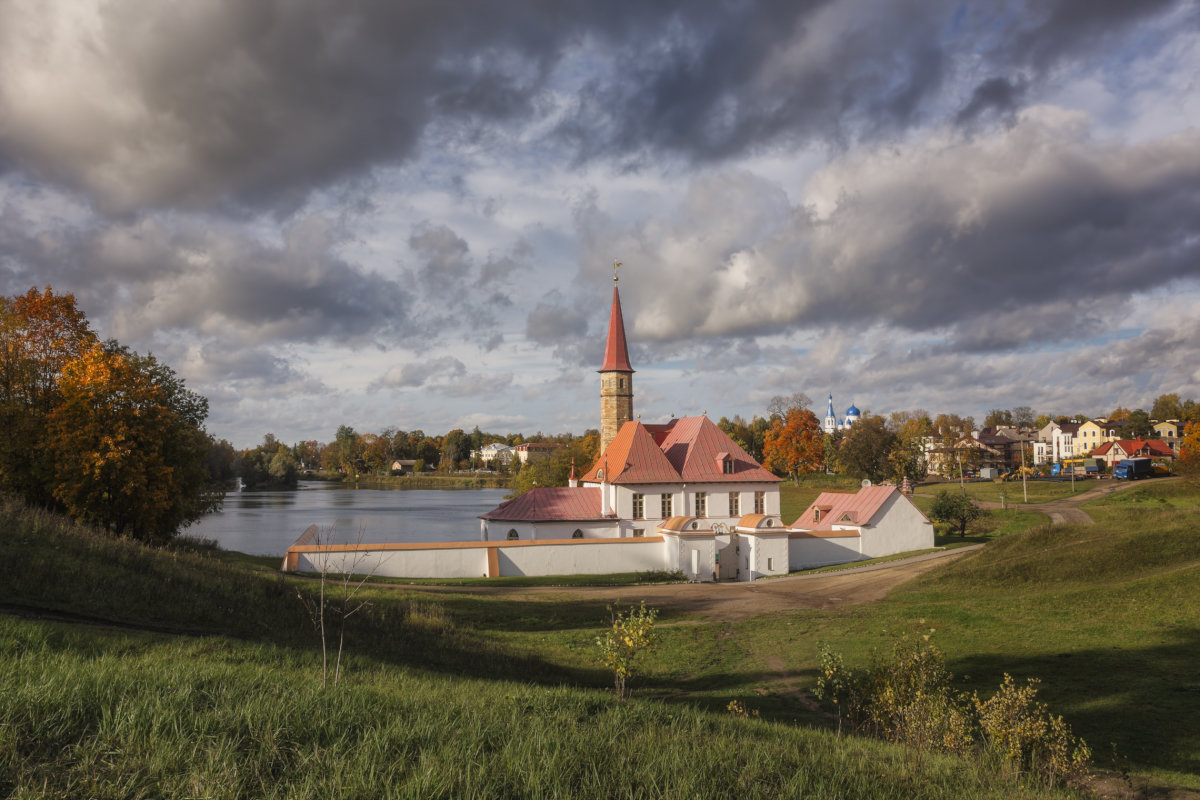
point(906, 697)
point(632, 631)
point(1026, 735)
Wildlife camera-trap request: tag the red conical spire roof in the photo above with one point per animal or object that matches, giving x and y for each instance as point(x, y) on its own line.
point(616, 353)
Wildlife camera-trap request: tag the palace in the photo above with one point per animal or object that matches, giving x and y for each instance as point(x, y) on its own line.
point(674, 496)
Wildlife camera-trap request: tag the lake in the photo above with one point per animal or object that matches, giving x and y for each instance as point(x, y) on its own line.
point(265, 523)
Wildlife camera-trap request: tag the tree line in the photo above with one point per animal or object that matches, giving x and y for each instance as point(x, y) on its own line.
point(790, 440)
point(88, 427)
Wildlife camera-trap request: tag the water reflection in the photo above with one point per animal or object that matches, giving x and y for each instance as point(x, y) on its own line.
point(265, 523)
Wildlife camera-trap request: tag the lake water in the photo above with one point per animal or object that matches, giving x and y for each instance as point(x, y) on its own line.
point(266, 523)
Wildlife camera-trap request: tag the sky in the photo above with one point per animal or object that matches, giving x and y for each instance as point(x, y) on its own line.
point(405, 215)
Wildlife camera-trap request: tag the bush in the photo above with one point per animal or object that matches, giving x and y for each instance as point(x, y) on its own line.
point(1026, 735)
point(907, 698)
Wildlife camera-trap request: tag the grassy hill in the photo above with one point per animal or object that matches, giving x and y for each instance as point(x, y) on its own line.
point(182, 673)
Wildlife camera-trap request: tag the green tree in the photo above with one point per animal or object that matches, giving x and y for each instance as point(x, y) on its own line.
point(954, 509)
point(866, 449)
point(1167, 406)
point(1137, 425)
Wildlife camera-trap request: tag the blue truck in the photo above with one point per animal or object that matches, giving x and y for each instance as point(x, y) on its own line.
point(1131, 469)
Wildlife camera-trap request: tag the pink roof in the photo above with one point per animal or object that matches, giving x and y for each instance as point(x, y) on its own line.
point(695, 447)
point(616, 353)
point(632, 457)
point(549, 504)
point(843, 508)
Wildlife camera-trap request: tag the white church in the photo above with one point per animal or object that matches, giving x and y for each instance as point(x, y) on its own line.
point(676, 496)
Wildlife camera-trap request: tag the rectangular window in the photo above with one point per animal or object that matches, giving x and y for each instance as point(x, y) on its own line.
point(770, 564)
point(735, 504)
point(727, 467)
point(639, 532)
point(701, 504)
point(666, 506)
point(760, 502)
point(639, 506)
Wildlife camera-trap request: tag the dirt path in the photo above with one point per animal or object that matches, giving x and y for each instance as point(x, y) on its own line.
point(736, 601)
point(1067, 510)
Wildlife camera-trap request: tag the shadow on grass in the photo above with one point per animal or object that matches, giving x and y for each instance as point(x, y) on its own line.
point(1143, 702)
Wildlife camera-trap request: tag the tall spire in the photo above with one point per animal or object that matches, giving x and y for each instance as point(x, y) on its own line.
point(616, 352)
point(616, 375)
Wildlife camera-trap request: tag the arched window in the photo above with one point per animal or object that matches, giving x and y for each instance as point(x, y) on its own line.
point(578, 534)
point(512, 534)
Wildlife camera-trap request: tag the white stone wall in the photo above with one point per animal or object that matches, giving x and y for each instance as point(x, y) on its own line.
point(806, 552)
point(693, 555)
point(580, 557)
point(769, 555)
point(470, 559)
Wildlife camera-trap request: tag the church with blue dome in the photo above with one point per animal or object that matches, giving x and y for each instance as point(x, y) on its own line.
point(832, 423)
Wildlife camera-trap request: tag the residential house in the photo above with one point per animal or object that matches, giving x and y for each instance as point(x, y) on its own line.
point(1113, 452)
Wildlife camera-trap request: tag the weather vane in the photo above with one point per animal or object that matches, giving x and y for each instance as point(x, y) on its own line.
point(615, 265)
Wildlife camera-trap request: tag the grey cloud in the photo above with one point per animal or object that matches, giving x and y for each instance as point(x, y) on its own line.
point(995, 95)
point(1017, 227)
point(158, 275)
point(250, 101)
point(418, 373)
point(551, 322)
point(445, 375)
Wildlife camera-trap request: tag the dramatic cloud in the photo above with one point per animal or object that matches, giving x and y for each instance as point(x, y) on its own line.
point(406, 214)
point(1000, 239)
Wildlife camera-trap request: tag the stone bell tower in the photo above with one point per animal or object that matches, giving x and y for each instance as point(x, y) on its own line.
point(616, 376)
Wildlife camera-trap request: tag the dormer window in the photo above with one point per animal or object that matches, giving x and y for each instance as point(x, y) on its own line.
point(727, 466)
point(816, 515)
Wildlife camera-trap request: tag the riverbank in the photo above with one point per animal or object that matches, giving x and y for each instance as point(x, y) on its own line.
point(427, 480)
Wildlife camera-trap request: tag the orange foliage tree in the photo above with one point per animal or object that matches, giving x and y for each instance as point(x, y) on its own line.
point(795, 446)
point(113, 438)
point(1189, 449)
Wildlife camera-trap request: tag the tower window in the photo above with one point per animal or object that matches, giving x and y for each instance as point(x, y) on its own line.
point(701, 504)
point(512, 534)
point(666, 506)
point(735, 505)
point(639, 506)
point(760, 500)
point(578, 534)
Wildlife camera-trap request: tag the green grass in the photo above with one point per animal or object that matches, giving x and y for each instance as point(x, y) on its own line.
point(462, 693)
point(1013, 494)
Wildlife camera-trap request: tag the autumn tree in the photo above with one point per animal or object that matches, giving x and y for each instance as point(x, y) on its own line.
point(795, 445)
point(40, 334)
point(1189, 449)
point(128, 445)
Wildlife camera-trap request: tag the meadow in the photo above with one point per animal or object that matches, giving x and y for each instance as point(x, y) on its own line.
point(132, 672)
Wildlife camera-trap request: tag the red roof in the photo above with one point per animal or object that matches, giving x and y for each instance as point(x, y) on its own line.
point(549, 504)
point(632, 457)
point(684, 450)
point(616, 353)
point(843, 508)
point(696, 448)
point(1153, 448)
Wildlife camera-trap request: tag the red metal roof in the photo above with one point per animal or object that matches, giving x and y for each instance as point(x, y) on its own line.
point(686, 452)
point(844, 508)
point(632, 457)
point(549, 504)
point(694, 446)
point(616, 353)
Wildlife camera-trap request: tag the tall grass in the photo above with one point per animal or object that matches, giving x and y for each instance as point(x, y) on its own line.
point(116, 714)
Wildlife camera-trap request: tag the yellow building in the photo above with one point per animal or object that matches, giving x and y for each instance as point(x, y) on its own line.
point(1094, 433)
